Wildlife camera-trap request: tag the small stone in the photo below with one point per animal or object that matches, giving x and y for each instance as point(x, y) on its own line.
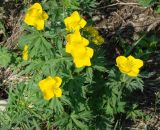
point(3, 104)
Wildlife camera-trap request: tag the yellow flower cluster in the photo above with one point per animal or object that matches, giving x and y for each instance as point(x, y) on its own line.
point(76, 44)
point(129, 65)
point(97, 39)
point(35, 16)
point(74, 22)
point(50, 87)
point(25, 53)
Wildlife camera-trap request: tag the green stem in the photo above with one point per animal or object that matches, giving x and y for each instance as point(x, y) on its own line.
point(134, 45)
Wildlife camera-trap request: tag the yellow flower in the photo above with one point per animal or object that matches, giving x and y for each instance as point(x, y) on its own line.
point(35, 16)
point(50, 87)
point(82, 56)
point(98, 40)
point(25, 53)
point(74, 22)
point(129, 65)
point(76, 46)
point(92, 31)
point(75, 40)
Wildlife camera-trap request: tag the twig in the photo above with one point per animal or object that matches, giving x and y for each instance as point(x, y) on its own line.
point(121, 3)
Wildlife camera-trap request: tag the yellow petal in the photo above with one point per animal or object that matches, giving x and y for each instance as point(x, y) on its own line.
point(75, 42)
point(129, 65)
point(43, 84)
point(40, 24)
point(92, 31)
point(82, 23)
point(28, 19)
point(82, 56)
point(74, 22)
point(95, 40)
point(90, 52)
point(121, 60)
point(35, 16)
point(69, 37)
point(25, 56)
point(79, 52)
point(137, 63)
point(84, 42)
point(131, 58)
point(74, 37)
point(44, 15)
point(47, 88)
point(134, 73)
point(98, 40)
point(123, 64)
point(82, 62)
point(78, 63)
point(69, 48)
point(25, 47)
point(75, 15)
point(68, 22)
point(58, 92)
point(32, 14)
point(50, 87)
point(48, 94)
point(36, 6)
point(58, 81)
point(25, 53)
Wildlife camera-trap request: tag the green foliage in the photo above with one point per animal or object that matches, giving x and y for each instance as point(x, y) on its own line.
point(133, 112)
point(2, 28)
point(143, 48)
point(5, 57)
point(88, 6)
point(93, 96)
point(147, 3)
point(150, 3)
point(147, 47)
point(158, 9)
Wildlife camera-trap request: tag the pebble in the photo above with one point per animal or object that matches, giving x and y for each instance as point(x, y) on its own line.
point(3, 104)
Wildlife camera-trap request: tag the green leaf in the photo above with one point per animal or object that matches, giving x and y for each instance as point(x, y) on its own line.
point(5, 57)
point(133, 112)
point(100, 68)
point(89, 74)
point(121, 106)
point(158, 9)
point(77, 122)
point(134, 83)
point(109, 109)
point(36, 125)
point(57, 105)
point(146, 3)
